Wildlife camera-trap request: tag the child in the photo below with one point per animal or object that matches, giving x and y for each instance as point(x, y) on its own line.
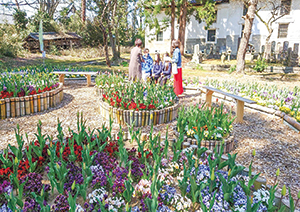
point(147, 65)
point(157, 67)
point(167, 70)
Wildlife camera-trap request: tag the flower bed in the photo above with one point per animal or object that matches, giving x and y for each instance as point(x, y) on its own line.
point(127, 102)
point(206, 127)
point(26, 93)
point(91, 172)
point(283, 99)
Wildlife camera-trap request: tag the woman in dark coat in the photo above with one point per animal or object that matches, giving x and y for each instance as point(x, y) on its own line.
point(157, 67)
point(135, 67)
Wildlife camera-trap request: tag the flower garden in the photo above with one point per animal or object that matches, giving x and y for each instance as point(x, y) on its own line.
point(127, 102)
point(210, 126)
point(27, 92)
point(94, 170)
point(90, 171)
point(283, 99)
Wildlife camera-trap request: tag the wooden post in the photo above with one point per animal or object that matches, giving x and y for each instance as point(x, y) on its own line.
point(62, 78)
point(239, 111)
point(209, 97)
point(89, 79)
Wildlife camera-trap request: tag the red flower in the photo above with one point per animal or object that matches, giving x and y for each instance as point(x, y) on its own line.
point(151, 106)
point(132, 106)
point(112, 103)
point(143, 106)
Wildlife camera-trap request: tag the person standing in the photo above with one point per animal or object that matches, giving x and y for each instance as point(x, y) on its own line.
point(135, 66)
point(147, 65)
point(157, 67)
point(176, 60)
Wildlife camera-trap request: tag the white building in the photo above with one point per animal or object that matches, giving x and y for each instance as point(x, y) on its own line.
point(226, 32)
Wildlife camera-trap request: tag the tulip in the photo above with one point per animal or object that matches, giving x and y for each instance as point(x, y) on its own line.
point(277, 172)
point(212, 176)
point(73, 185)
point(283, 191)
point(253, 153)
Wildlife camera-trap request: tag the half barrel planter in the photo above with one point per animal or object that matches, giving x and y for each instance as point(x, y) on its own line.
point(140, 118)
point(21, 106)
point(209, 144)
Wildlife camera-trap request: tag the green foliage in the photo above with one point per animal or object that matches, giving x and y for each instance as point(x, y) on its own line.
point(260, 65)
point(53, 50)
point(232, 69)
point(124, 64)
point(49, 25)
point(10, 40)
point(207, 13)
point(20, 19)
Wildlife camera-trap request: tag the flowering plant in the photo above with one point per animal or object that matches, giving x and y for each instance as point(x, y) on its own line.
point(134, 96)
point(26, 82)
point(214, 123)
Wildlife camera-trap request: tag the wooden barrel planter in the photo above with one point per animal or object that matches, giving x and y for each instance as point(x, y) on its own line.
point(209, 144)
point(140, 118)
point(21, 106)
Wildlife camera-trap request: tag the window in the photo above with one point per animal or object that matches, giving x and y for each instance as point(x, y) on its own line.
point(283, 30)
point(160, 36)
point(285, 7)
point(211, 35)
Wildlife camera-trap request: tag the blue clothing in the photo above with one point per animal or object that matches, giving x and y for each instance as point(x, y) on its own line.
point(157, 69)
point(167, 72)
point(177, 57)
point(147, 66)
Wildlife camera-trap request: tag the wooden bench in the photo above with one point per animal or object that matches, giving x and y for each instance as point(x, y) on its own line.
point(240, 101)
point(88, 75)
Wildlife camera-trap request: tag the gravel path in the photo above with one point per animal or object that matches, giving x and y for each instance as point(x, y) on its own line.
point(277, 146)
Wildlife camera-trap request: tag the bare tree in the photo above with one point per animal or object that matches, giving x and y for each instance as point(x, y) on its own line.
point(47, 6)
point(17, 4)
point(103, 9)
point(276, 7)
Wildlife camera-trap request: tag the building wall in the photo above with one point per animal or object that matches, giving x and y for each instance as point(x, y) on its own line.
point(229, 29)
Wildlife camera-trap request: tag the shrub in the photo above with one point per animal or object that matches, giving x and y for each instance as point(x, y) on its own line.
point(10, 40)
point(232, 69)
point(20, 19)
point(260, 65)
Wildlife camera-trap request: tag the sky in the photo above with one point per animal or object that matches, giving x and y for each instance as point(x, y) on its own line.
point(7, 9)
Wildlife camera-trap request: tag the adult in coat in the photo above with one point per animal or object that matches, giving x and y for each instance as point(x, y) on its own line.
point(135, 64)
point(176, 60)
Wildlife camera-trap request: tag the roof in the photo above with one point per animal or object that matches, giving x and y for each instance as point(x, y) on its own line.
point(53, 35)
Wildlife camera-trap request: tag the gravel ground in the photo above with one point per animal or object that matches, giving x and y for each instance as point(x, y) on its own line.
point(277, 145)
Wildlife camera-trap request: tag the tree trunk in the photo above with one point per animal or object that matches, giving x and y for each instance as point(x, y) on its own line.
point(172, 23)
point(249, 17)
point(182, 42)
point(182, 25)
point(267, 52)
point(17, 4)
point(112, 44)
point(105, 43)
point(83, 11)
